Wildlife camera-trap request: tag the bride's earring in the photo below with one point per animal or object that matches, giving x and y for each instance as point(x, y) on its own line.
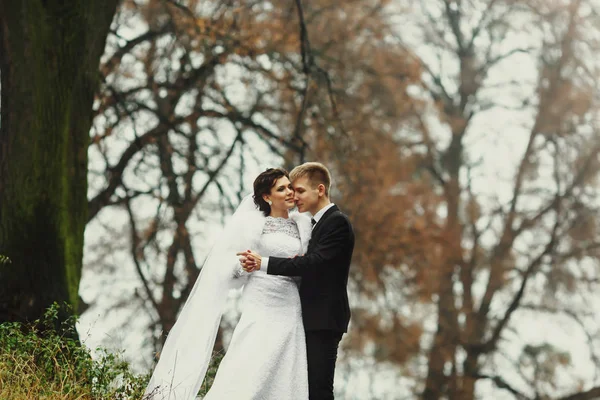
point(269, 202)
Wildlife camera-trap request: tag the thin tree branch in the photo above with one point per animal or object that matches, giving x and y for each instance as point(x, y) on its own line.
point(502, 384)
point(135, 240)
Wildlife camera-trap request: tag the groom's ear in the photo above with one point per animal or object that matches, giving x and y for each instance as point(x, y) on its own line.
point(321, 189)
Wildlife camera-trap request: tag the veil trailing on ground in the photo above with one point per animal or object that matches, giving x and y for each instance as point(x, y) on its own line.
point(187, 351)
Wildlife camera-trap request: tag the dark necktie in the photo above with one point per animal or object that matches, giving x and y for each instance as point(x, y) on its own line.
point(313, 222)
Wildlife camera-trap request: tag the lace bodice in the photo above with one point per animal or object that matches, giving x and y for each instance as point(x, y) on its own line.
point(281, 225)
point(280, 238)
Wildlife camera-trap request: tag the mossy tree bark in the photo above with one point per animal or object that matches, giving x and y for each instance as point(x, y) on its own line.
point(49, 57)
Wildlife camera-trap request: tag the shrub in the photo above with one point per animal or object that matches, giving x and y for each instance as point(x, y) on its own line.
point(38, 362)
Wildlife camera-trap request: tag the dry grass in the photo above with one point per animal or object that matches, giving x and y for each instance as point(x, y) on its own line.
point(21, 379)
point(51, 366)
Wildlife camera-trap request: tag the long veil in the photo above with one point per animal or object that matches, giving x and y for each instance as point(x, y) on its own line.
point(186, 354)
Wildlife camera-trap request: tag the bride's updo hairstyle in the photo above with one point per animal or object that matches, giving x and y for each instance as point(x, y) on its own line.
point(263, 185)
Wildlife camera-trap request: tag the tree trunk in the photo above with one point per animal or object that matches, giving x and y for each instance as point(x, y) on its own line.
point(49, 57)
point(439, 383)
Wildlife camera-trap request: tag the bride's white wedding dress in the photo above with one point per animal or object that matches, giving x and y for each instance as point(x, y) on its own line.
point(266, 358)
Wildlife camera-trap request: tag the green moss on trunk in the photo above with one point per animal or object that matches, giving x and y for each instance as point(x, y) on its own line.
point(49, 58)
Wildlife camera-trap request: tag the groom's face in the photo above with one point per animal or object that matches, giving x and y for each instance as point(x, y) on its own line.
point(307, 197)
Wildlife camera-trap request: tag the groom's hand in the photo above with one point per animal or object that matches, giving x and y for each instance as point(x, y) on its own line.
point(249, 260)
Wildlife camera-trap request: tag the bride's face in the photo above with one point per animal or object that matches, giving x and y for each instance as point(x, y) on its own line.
point(281, 196)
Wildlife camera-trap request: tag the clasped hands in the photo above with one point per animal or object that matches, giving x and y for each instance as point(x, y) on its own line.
point(249, 260)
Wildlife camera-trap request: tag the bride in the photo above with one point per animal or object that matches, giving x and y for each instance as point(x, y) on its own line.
point(266, 358)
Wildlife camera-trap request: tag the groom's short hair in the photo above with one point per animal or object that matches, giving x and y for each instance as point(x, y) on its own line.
point(316, 173)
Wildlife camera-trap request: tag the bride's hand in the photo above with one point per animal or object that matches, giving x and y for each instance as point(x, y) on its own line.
point(243, 258)
point(250, 260)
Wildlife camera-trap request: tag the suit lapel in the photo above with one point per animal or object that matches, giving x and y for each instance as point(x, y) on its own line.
point(319, 224)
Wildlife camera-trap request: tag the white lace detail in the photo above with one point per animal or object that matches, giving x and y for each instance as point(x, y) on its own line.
point(281, 225)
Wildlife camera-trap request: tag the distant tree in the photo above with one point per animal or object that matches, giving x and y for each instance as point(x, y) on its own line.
point(196, 97)
point(458, 249)
point(184, 108)
point(394, 96)
point(49, 57)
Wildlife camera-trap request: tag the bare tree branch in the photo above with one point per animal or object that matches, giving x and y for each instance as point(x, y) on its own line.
point(502, 384)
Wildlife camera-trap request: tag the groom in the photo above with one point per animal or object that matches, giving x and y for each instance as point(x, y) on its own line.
point(324, 271)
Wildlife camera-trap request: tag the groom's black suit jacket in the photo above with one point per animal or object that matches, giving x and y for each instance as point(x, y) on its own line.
point(324, 271)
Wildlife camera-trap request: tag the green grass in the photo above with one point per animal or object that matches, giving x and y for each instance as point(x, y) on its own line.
point(39, 363)
point(211, 372)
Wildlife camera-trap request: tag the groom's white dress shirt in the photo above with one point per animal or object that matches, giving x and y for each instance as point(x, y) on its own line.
point(264, 264)
point(322, 212)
